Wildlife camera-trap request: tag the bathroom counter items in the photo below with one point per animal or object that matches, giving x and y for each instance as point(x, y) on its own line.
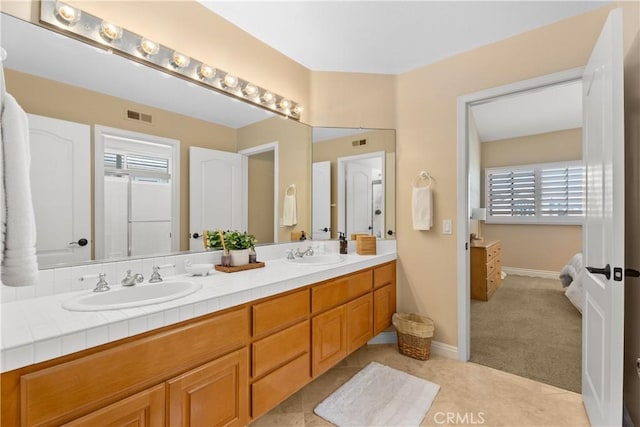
point(39, 329)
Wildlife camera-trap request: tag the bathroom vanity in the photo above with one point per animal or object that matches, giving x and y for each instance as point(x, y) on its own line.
point(226, 367)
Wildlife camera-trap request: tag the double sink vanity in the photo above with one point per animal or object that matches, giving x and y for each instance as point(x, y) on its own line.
point(225, 354)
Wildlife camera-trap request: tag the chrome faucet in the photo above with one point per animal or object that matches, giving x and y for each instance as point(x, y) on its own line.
point(131, 279)
point(308, 252)
point(102, 285)
point(155, 276)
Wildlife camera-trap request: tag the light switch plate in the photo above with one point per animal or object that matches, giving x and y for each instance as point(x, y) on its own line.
point(446, 226)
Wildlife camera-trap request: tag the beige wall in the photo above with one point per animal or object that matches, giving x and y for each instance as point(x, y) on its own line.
point(632, 214)
point(528, 246)
point(260, 197)
point(294, 163)
point(352, 100)
point(43, 97)
point(330, 150)
point(427, 140)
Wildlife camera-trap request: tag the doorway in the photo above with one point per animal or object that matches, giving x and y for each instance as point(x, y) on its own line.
point(480, 213)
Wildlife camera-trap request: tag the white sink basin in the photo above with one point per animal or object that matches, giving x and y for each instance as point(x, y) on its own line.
point(317, 260)
point(134, 296)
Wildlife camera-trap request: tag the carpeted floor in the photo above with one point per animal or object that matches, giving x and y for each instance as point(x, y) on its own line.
point(529, 328)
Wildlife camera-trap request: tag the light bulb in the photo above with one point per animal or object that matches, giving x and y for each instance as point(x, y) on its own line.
point(230, 81)
point(251, 90)
point(205, 71)
point(298, 109)
point(180, 60)
point(110, 31)
point(269, 98)
point(149, 47)
point(67, 13)
point(285, 104)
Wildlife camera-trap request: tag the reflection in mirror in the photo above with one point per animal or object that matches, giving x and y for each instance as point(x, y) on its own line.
point(353, 182)
point(59, 78)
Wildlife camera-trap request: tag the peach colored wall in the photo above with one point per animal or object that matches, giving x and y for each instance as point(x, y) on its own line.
point(352, 100)
point(294, 163)
point(427, 140)
point(631, 27)
point(527, 246)
point(191, 28)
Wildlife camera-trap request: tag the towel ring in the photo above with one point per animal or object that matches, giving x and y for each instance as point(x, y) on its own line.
point(291, 190)
point(422, 176)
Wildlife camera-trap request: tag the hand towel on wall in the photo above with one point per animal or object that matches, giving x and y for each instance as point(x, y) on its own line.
point(422, 208)
point(19, 263)
point(289, 214)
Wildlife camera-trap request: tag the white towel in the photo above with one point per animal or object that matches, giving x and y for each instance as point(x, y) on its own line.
point(422, 208)
point(289, 214)
point(19, 263)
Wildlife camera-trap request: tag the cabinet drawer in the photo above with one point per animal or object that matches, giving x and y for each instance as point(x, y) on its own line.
point(56, 394)
point(275, 350)
point(339, 291)
point(269, 316)
point(498, 263)
point(491, 267)
point(278, 385)
point(384, 275)
point(489, 254)
point(492, 285)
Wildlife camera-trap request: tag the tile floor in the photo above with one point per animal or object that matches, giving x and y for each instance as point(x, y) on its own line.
point(470, 394)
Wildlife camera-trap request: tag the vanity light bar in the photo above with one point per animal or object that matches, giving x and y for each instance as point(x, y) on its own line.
point(97, 31)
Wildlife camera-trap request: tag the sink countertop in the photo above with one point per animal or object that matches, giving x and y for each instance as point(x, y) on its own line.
point(39, 329)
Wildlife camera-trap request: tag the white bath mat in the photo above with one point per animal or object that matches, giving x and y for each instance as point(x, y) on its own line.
point(379, 396)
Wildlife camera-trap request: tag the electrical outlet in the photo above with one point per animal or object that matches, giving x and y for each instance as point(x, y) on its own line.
point(446, 226)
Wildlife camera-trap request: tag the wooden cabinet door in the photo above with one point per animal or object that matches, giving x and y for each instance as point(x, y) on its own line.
point(215, 394)
point(359, 322)
point(144, 409)
point(329, 339)
point(384, 305)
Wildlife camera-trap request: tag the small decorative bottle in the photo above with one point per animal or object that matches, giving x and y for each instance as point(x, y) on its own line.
point(252, 256)
point(343, 243)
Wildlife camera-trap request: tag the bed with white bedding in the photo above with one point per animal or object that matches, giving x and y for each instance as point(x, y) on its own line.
point(571, 277)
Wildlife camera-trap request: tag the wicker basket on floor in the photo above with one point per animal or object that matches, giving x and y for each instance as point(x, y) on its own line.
point(414, 335)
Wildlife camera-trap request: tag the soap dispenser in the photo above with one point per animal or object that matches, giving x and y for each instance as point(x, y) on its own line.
point(343, 243)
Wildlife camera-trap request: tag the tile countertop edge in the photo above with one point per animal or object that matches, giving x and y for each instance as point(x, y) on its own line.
point(77, 331)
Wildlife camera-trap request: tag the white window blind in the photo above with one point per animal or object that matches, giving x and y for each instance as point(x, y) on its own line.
point(532, 194)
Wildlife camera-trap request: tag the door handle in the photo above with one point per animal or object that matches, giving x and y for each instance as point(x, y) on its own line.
point(606, 271)
point(80, 242)
point(196, 236)
point(324, 229)
point(631, 272)
point(390, 232)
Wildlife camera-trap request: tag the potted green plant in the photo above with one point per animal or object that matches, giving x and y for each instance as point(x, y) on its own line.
point(237, 243)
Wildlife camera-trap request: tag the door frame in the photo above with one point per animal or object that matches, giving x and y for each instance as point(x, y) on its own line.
point(259, 149)
point(98, 137)
point(342, 174)
point(463, 214)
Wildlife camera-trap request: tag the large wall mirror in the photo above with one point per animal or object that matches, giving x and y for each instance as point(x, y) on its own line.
point(130, 161)
point(353, 182)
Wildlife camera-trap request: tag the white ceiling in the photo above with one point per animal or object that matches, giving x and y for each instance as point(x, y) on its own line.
point(550, 109)
point(387, 37)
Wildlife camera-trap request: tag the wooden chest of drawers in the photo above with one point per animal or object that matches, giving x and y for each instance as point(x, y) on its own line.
point(486, 266)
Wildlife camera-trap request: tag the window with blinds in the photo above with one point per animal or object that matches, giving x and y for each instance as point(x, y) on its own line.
point(533, 194)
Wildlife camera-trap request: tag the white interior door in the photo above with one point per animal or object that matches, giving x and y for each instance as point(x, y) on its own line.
point(358, 198)
point(216, 182)
point(603, 150)
point(321, 185)
point(60, 184)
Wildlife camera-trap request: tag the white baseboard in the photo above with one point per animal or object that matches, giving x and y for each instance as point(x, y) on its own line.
point(532, 273)
point(437, 348)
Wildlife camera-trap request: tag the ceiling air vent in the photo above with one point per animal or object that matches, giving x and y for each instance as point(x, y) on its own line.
point(139, 117)
point(359, 142)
